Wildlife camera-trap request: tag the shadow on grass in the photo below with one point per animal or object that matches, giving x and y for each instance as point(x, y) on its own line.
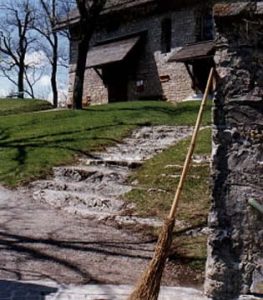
point(182, 109)
point(147, 108)
point(6, 142)
point(113, 123)
point(67, 140)
point(184, 260)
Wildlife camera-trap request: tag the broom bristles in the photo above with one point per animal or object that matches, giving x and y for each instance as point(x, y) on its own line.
point(148, 286)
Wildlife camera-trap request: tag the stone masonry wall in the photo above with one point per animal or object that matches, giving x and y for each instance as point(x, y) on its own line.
point(152, 64)
point(235, 246)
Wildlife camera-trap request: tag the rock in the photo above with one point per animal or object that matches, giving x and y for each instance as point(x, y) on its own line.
point(235, 245)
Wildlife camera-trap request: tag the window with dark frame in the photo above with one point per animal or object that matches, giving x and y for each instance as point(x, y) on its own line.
point(166, 36)
point(206, 28)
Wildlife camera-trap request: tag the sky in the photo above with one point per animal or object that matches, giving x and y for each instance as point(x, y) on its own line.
point(42, 88)
point(38, 59)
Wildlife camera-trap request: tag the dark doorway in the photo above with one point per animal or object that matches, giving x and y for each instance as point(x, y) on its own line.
point(116, 79)
point(201, 69)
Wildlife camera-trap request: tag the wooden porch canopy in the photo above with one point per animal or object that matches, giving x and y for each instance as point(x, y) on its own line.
point(193, 52)
point(200, 56)
point(111, 52)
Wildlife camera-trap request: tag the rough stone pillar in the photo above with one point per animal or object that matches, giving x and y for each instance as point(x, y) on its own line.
point(235, 245)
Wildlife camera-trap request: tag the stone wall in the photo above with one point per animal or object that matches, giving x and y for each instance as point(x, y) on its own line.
point(152, 65)
point(235, 246)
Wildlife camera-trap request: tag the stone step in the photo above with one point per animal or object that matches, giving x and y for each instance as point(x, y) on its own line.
point(131, 164)
point(79, 201)
point(94, 186)
point(100, 188)
point(90, 174)
point(73, 173)
point(94, 206)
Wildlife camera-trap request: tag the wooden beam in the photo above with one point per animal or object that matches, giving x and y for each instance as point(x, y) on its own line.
point(189, 72)
point(99, 74)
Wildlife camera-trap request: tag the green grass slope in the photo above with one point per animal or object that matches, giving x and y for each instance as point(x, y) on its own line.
point(31, 144)
point(18, 106)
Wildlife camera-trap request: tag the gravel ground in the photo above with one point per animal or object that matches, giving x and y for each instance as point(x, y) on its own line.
point(38, 242)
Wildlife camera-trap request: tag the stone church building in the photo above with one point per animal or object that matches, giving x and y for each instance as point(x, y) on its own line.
point(145, 50)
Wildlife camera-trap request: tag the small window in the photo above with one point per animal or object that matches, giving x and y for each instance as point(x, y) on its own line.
point(166, 37)
point(140, 86)
point(206, 29)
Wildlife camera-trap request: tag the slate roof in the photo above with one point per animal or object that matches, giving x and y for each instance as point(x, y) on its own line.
point(120, 4)
point(194, 51)
point(111, 52)
point(110, 6)
point(235, 9)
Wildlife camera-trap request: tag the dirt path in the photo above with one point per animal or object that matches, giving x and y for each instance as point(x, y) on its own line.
point(38, 242)
point(41, 240)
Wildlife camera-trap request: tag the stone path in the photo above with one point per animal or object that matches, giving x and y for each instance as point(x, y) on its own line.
point(93, 187)
point(38, 242)
point(41, 240)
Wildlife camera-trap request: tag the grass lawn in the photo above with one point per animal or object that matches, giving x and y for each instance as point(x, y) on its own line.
point(18, 106)
point(158, 177)
point(31, 144)
point(157, 180)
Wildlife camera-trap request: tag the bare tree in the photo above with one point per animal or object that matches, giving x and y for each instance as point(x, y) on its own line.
point(47, 12)
point(15, 41)
point(32, 77)
point(89, 11)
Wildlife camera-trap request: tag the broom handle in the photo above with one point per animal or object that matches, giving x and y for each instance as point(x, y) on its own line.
point(191, 148)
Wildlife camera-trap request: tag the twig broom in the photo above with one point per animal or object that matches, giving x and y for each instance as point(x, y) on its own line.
point(148, 286)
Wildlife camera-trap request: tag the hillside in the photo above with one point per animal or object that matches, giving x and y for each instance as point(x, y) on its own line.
point(31, 144)
point(18, 106)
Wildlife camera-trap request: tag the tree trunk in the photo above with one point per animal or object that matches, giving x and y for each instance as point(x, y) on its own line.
point(89, 13)
point(83, 47)
point(21, 81)
point(54, 71)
